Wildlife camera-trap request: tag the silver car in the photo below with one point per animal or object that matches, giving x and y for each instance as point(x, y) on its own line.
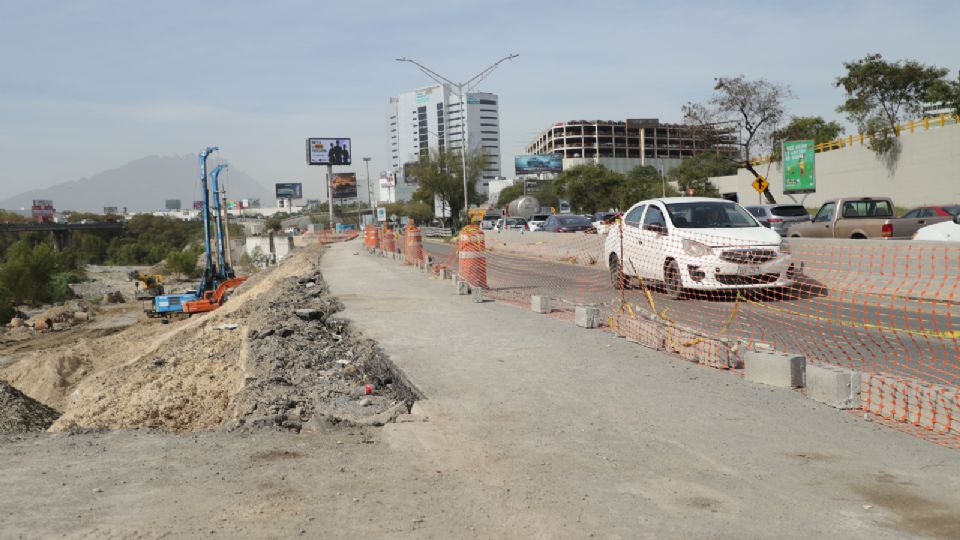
point(779, 217)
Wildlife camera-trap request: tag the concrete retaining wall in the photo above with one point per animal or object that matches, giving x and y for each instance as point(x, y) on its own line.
point(927, 172)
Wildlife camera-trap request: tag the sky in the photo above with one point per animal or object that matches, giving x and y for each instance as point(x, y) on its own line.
point(89, 86)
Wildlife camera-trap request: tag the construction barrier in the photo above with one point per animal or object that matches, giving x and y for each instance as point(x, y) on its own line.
point(371, 238)
point(471, 256)
point(886, 311)
point(412, 245)
point(388, 241)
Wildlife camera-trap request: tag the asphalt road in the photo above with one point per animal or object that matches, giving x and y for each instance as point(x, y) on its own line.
point(913, 339)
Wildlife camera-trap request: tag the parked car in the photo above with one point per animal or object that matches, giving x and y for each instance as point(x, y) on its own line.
point(514, 224)
point(489, 222)
point(779, 217)
point(932, 211)
point(945, 231)
point(603, 220)
point(697, 243)
point(567, 224)
point(859, 218)
point(536, 222)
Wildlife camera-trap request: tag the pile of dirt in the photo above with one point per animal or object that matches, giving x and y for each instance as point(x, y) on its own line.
point(273, 357)
point(19, 413)
point(66, 314)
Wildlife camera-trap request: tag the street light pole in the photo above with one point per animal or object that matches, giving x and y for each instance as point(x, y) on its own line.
point(369, 190)
point(462, 88)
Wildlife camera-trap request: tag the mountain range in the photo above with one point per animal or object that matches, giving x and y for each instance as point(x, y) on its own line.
point(143, 185)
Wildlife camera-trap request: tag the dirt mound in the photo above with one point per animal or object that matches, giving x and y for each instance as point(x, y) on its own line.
point(273, 356)
point(19, 413)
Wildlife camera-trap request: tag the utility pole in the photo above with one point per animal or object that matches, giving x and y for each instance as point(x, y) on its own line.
point(462, 88)
point(366, 160)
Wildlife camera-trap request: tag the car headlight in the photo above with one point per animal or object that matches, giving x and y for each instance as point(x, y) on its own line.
point(785, 247)
point(696, 249)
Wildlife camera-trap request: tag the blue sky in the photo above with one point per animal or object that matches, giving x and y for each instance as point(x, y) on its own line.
point(88, 86)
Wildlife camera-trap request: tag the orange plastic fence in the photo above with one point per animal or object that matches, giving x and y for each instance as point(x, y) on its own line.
point(888, 309)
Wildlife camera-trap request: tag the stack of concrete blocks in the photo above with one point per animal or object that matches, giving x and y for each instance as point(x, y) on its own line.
point(540, 304)
point(834, 386)
point(920, 403)
point(775, 368)
point(586, 316)
point(463, 287)
point(705, 350)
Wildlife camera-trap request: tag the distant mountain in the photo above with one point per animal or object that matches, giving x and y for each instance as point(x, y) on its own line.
point(143, 185)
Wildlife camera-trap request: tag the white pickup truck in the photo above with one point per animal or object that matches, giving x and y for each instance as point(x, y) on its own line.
point(696, 243)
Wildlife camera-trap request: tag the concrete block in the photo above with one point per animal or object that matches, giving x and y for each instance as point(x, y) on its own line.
point(775, 368)
point(444, 273)
point(478, 295)
point(586, 316)
point(540, 304)
point(463, 288)
point(835, 386)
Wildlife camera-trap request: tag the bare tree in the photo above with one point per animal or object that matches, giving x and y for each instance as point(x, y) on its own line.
point(756, 107)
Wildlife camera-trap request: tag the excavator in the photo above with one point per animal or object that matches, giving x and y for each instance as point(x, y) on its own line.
point(219, 278)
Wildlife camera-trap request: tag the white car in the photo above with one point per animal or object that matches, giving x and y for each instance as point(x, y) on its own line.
point(536, 222)
point(945, 231)
point(697, 243)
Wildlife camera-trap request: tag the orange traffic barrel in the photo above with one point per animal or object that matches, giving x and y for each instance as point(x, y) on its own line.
point(371, 238)
point(472, 256)
point(388, 241)
point(412, 244)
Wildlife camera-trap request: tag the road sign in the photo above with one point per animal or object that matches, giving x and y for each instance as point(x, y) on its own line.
point(381, 214)
point(760, 184)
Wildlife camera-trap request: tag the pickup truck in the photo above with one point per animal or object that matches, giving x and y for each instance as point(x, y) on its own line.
point(860, 218)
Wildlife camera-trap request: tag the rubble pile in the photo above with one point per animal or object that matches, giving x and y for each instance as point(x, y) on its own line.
point(306, 369)
point(19, 413)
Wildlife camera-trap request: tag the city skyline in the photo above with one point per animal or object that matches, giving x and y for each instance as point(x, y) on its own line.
point(97, 85)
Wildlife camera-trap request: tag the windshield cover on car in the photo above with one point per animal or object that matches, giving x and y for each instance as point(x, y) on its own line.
point(789, 211)
point(709, 215)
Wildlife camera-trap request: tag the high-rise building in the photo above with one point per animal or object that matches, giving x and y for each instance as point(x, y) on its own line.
point(430, 119)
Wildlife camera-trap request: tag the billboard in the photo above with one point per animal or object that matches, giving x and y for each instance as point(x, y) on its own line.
point(328, 151)
point(313, 202)
point(110, 210)
point(344, 185)
point(409, 177)
point(198, 205)
point(42, 210)
point(172, 204)
point(388, 179)
point(289, 190)
point(530, 164)
point(799, 174)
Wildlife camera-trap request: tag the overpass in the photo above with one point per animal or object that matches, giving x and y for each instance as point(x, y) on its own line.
point(62, 231)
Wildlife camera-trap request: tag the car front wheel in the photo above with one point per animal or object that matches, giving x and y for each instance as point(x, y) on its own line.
point(671, 278)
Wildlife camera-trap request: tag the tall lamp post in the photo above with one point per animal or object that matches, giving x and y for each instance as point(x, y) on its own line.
point(462, 89)
point(366, 160)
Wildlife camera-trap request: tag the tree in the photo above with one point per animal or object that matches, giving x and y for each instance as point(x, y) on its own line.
point(589, 187)
point(640, 183)
point(440, 176)
point(757, 107)
point(182, 263)
point(695, 173)
point(947, 93)
point(510, 193)
point(805, 128)
point(882, 94)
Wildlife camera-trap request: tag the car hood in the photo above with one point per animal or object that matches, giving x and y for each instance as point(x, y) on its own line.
point(731, 237)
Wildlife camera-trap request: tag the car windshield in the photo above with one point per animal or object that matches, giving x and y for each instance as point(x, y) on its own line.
point(952, 210)
point(515, 221)
point(709, 215)
point(573, 220)
point(789, 211)
point(540, 217)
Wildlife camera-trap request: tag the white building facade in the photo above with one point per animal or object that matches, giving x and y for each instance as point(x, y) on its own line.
point(430, 119)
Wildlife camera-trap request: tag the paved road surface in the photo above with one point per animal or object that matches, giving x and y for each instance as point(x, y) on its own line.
point(544, 430)
point(921, 342)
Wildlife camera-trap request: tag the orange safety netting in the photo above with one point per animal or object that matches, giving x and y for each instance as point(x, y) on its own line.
point(888, 309)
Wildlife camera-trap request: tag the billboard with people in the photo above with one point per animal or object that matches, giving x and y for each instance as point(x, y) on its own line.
point(322, 151)
point(409, 172)
point(531, 164)
point(344, 185)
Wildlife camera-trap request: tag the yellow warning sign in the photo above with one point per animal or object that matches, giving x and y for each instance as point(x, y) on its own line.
point(760, 184)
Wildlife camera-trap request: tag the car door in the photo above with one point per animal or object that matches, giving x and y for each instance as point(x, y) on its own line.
point(822, 226)
point(653, 235)
point(632, 248)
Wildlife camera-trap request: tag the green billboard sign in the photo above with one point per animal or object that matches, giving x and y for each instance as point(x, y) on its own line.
point(799, 173)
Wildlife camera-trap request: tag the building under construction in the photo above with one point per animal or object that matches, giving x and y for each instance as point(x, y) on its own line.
point(622, 145)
